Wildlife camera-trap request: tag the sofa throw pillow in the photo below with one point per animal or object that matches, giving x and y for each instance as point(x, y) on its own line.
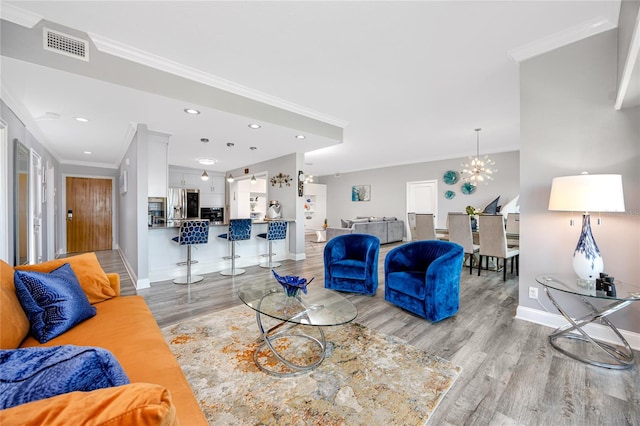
point(345, 223)
point(32, 374)
point(91, 276)
point(53, 302)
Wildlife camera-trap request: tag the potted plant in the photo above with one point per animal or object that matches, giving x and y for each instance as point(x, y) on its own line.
point(472, 212)
point(324, 225)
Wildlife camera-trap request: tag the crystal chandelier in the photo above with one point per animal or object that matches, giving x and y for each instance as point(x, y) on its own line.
point(478, 170)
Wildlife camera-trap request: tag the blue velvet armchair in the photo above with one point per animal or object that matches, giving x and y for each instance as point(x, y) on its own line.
point(423, 277)
point(351, 263)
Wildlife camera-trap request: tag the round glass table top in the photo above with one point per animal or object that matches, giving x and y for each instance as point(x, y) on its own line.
point(319, 307)
point(572, 284)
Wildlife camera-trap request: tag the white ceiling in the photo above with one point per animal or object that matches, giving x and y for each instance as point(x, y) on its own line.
point(408, 81)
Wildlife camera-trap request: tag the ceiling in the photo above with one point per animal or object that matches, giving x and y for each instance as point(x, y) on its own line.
point(369, 84)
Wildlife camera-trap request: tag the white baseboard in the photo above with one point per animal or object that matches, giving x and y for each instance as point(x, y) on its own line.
point(597, 331)
point(143, 283)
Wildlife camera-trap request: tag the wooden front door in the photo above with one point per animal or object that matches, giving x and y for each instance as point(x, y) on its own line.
point(89, 214)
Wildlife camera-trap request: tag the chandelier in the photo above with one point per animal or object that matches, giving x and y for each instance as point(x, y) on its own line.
point(478, 170)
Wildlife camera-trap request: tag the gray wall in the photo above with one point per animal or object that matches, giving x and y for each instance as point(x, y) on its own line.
point(569, 125)
point(17, 130)
point(388, 188)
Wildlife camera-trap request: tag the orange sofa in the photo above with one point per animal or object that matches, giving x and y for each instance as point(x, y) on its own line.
point(158, 393)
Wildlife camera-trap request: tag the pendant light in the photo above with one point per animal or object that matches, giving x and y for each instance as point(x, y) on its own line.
point(204, 176)
point(478, 170)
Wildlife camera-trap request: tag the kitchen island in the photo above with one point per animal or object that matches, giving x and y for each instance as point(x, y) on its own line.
point(165, 254)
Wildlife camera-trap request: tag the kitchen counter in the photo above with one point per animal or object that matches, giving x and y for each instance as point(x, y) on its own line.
point(164, 254)
point(176, 223)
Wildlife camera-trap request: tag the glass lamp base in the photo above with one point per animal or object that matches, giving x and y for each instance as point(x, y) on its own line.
point(587, 260)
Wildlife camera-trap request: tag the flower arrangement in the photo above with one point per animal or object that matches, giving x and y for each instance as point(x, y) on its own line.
point(471, 211)
point(292, 284)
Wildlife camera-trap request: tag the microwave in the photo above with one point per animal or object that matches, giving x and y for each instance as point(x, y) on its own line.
point(214, 214)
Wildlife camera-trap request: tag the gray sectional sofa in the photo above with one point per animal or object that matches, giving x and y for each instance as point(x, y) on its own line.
point(387, 229)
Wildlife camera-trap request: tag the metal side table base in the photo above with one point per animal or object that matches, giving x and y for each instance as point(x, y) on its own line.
point(621, 359)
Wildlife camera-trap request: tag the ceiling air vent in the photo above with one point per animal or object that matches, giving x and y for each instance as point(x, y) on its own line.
point(65, 44)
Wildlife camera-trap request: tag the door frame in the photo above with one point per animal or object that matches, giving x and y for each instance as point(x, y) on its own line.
point(4, 191)
point(434, 201)
point(34, 253)
point(62, 218)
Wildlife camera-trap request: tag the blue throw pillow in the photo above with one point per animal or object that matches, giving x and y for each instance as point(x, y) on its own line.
point(31, 374)
point(54, 302)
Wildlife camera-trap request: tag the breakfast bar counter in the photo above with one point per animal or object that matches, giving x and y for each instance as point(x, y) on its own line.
point(165, 254)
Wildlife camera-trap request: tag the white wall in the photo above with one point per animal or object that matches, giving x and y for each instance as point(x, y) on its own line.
point(569, 125)
point(388, 188)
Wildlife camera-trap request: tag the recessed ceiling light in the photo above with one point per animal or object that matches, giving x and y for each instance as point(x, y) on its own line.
point(191, 111)
point(253, 148)
point(82, 119)
point(88, 152)
point(254, 126)
point(204, 140)
point(206, 161)
point(300, 136)
point(231, 144)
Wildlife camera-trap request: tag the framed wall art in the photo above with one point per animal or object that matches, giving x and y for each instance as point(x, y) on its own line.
point(361, 193)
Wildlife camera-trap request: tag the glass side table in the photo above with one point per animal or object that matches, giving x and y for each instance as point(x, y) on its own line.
point(625, 295)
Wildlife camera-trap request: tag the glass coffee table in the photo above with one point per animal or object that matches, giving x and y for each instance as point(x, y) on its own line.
point(625, 294)
point(293, 316)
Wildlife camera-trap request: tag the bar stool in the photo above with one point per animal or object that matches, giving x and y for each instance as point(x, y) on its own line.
point(276, 231)
point(191, 232)
point(239, 229)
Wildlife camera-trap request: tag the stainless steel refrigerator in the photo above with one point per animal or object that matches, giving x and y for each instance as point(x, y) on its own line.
point(183, 204)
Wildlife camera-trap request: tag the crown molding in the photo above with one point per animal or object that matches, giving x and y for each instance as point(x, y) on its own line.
point(562, 38)
point(19, 16)
point(630, 63)
point(139, 56)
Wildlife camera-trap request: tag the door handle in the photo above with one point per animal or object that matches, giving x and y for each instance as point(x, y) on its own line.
point(69, 215)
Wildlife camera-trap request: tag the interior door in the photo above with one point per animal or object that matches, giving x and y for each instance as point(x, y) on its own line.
point(422, 197)
point(89, 214)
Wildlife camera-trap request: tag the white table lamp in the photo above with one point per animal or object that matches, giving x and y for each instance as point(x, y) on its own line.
point(587, 193)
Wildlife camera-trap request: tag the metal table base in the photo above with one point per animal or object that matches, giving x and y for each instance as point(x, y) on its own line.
point(620, 359)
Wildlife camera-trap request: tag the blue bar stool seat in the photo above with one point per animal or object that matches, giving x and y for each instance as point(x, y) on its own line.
point(239, 229)
point(191, 232)
point(277, 230)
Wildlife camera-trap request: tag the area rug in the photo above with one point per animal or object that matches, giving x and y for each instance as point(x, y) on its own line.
point(366, 377)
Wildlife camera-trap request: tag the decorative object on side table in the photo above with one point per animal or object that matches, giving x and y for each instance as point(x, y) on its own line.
point(292, 284)
point(587, 193)
point(450, 177)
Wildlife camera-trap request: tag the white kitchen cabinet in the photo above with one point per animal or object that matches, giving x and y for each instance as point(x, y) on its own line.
point(157, 164)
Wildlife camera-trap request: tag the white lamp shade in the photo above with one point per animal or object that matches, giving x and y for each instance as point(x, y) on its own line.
point(587, 193)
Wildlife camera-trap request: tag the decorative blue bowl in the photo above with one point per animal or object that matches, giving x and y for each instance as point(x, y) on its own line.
point(292, 284)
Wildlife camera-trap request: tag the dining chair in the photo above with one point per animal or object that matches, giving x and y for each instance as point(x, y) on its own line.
point(459, 226)
point(493, 243)
point(422, 226)
point(513, 227)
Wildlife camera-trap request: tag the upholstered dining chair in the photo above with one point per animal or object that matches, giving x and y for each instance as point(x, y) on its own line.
point(351, 263)
point(423, 277)
point(493, 243)
point(422, 226)
point(459, 225)
point(513, 227)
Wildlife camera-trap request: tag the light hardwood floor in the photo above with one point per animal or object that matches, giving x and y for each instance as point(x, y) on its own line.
point(511, 375)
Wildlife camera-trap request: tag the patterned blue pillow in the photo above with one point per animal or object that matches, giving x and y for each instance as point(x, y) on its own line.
point(54, 302)
point(31, 374)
